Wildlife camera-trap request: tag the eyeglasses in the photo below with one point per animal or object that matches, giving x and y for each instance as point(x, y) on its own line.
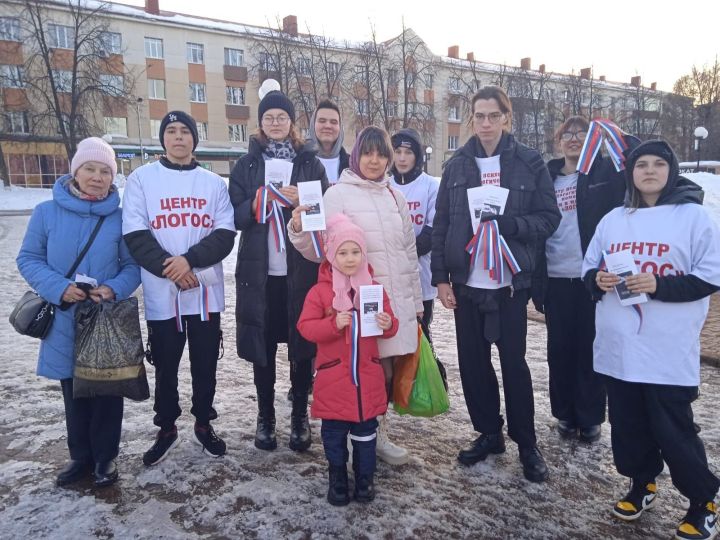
point(568, 136)
point(493, 117)
point(270, 120)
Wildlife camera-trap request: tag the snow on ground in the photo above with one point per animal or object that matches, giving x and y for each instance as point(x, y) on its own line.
point(254, 494)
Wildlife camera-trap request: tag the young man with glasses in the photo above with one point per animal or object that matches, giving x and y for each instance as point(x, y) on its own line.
point(577, 395)
point(178, 225)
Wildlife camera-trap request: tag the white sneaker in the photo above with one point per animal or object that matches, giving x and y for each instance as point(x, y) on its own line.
point(386, 450)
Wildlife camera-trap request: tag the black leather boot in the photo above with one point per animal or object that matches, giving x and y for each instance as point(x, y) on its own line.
point(364, 487)
point(338, 493)
point(106, 474)
point(482, 447)
point(300, 436)
point(72, 472)
point(265, 433)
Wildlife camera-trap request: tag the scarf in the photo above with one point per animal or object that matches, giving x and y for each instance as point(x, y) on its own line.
point(343, 286)
point(279, 150)
point(74, 189)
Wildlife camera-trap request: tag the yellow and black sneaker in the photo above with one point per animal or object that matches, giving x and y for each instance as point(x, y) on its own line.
point(642, 496)
point(700, 523)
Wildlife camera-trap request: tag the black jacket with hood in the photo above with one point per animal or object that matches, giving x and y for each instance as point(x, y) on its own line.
point(678, 190)
point(252, 262)
point(531, 203)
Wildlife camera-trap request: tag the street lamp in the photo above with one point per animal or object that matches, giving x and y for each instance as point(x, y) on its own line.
point(428, 154)
point(700, 134)
point(138, 102)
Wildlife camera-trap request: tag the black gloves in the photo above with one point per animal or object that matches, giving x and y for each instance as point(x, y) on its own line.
point(507, 224)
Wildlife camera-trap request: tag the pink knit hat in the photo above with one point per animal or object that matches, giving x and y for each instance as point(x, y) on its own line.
point(93, 149)
point(340, 230)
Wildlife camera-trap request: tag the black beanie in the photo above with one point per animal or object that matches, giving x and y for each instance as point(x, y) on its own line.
point(182, 117)
point(655, 147)
point(409, 138)
point(276, 100)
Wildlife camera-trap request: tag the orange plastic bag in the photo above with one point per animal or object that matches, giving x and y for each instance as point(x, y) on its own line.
point(404, 371)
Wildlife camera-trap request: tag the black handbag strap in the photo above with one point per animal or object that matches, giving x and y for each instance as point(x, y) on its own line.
point(85, 249)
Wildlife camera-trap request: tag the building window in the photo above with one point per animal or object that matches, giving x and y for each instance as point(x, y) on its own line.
point(362, 107)
point(392, 77)
point(11, 76)
point(454, 113)
point(9, 29)
point(197, 93)
point(234, 57)
point(63, 80)
point(333, 69)
point(116, 126)
point(202, 129)
point(452, 142)
point(392, 109)
point(429, 80)
point(61, 37)
point(17, 122)
point(304, 67)
point(113, 85)
point(454, 85)
point(235, 95)
point(237, 132)
point(267, 62)
point(111, 42)
point(156, 89)
point(361, 73)
point(195, 53)
point(155, 128)
point(153, 48)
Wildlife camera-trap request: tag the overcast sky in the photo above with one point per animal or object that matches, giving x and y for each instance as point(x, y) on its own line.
point(617, 38)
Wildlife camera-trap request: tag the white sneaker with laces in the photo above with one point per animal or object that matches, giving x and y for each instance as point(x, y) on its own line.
point(386, 450)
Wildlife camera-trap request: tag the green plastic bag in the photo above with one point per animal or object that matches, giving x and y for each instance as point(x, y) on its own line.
point(428, 396)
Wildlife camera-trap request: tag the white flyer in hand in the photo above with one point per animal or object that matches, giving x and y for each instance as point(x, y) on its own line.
point(82, 278)
point(486, 201)
point(371, 303)
point(623, 265)
point(310, 194)
point(278, 172)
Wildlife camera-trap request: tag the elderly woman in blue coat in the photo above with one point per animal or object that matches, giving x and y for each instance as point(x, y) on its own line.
point(57, 232)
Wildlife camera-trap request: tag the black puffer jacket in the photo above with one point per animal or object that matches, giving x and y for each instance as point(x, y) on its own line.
point(531, 202)
point(252, 263)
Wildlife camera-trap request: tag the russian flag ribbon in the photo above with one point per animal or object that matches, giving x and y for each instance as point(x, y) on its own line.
point(269, 207)
point(488, 244)
point(203, 305)
point(354, 347)
point(601, 130)
point(317, 242)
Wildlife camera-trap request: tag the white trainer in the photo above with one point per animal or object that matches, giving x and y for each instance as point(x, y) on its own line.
point(386, 450)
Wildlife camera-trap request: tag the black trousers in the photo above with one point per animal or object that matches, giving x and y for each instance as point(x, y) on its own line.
point(652, 423)
point(93, 425)
point(276, 331)
point(364, 441)
point(167, 346)
point(577, 394)
point(479, 381)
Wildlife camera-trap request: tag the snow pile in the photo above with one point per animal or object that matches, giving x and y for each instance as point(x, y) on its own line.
point(19, 198)
point(711, 186)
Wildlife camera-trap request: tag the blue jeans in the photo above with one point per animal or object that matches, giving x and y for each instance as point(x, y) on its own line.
point(363, 436)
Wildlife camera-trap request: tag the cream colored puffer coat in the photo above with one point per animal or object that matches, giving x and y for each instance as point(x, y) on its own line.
point(383, 214)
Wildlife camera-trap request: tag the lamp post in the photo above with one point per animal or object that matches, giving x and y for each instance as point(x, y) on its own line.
point(700, 134)
point(138, 102)
point(428, 154)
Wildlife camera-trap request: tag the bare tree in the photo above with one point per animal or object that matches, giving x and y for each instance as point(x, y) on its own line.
point(703, 86)
point(72, 70)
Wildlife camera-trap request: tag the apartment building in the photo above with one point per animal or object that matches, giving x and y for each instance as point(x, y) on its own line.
point(159, 61)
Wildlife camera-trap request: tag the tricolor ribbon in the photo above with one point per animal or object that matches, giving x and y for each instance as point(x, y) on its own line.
point(354, 347)
point(602, 130)
point(203, 305)
point(317, 242)
point(270, 204)
point(489, 244)
point(636, 307)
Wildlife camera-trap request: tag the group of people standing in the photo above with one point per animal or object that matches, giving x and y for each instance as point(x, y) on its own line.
point(390, 223)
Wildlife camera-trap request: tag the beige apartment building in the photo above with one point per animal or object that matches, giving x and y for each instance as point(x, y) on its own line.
point(212, 69)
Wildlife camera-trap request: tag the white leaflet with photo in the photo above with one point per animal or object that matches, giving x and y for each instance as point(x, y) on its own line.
point(486, 201)
point(310, 194)
point(82, 278)
point(623, 265)
point(371, 303)
point(278, 172)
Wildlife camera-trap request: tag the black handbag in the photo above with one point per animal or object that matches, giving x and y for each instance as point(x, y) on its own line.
point(33, 315)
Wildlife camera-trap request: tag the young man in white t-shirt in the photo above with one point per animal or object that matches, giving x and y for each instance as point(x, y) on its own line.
point(326, 131)
point(178, 225)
